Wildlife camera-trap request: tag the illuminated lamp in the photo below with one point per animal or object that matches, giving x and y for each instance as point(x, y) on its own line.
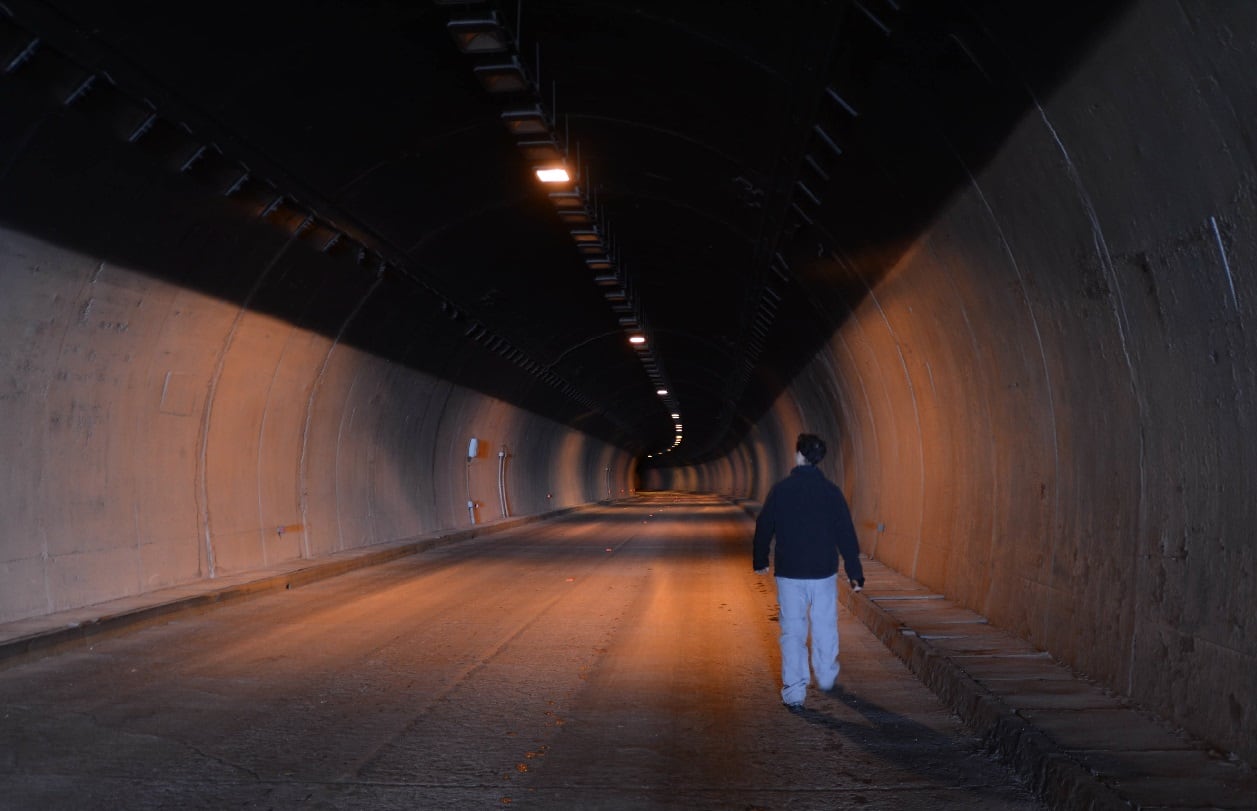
point(662, 392)
point(553, 175)
point(676, 416)
point(637, 339)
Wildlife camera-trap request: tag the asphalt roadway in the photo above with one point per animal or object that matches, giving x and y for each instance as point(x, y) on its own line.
point(616, 658)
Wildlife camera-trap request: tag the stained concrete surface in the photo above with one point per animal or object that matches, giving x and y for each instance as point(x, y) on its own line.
point(1077, 744)
point(619, 658)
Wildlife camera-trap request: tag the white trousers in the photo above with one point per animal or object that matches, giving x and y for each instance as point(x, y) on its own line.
point(800, 601)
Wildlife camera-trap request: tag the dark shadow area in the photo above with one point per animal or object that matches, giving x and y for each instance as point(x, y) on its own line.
point(340, 167)
point(914, 747)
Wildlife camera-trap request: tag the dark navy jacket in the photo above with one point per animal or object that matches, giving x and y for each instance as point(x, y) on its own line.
point(810, 517)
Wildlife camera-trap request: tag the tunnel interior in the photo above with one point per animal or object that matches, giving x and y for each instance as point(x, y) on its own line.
point(268, 270)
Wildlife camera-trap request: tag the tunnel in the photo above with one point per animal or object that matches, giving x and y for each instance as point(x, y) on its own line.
point(284, 282)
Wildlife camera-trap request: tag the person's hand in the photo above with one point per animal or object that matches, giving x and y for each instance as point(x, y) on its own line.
point(762, 571)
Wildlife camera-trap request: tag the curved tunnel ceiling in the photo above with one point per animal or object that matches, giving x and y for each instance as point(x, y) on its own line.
point(746, 170)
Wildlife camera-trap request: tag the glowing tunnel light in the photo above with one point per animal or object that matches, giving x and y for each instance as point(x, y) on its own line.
point(558, 175)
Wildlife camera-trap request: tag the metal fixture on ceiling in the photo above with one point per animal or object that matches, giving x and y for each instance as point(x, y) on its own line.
point(478, 32)
point(805, 197)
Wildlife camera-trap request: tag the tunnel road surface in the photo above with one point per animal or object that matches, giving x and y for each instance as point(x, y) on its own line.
point(621, 657)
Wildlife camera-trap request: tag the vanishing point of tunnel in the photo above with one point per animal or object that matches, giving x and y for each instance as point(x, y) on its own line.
point(388, 388)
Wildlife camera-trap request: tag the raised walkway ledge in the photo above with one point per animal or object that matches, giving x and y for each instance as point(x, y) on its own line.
point(1079, 746)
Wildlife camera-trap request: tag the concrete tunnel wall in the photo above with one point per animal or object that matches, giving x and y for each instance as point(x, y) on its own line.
point(160, 422)
point(1045, 409)
point(154, 433)
point(154, 436)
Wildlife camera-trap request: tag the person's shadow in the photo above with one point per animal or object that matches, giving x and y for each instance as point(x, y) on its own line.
point(955, 761)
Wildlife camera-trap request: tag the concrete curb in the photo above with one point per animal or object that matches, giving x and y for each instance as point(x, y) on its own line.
point(28, 640)
point(1054, 776)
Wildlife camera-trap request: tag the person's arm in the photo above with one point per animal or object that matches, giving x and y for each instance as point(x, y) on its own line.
point(849, 548)
point(765, 525)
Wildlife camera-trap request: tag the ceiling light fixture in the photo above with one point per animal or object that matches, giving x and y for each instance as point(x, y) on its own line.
point(575, 218)
point(553, 175)
point(526, 121)
point(503, 78)
point(567, 200)
point(540, 151)
point(480, 36)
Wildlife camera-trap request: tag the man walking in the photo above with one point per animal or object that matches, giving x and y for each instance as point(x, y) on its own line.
point(809, 516)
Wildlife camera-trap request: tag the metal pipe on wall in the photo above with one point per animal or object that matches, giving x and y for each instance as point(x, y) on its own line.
point(506, 513)
point(473, 448)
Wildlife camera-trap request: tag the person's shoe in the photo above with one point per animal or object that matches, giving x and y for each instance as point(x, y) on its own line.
point(794, 706)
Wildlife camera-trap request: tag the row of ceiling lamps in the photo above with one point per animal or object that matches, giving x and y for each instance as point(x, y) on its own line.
point(477, 31)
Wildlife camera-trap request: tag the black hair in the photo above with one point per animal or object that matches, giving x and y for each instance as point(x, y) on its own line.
point(812, 447)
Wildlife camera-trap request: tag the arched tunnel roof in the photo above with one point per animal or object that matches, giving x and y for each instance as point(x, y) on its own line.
point(740, 172)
